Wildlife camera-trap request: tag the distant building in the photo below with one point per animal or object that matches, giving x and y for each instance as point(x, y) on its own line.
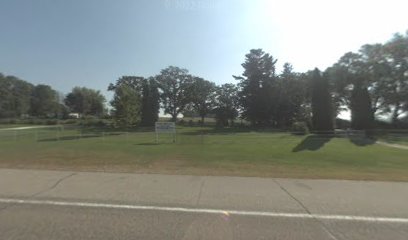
point(73, 115)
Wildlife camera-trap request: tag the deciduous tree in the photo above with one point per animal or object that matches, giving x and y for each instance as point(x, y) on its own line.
point(175, 86)
point(202, 96)
point(85, 101)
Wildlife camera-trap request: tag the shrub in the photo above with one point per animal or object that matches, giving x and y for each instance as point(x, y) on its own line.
point(51, 122)
point(94, 122)
point(71, 121)
point(300, 128)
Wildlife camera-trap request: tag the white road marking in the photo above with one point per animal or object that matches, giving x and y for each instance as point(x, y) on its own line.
point(208, 211)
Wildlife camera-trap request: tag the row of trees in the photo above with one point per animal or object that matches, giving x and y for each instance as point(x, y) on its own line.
point(137, 100)
point(262, 97)
point(370, 83)
point(19, 98)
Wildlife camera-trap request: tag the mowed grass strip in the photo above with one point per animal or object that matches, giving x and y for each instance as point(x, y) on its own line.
point(204, 152)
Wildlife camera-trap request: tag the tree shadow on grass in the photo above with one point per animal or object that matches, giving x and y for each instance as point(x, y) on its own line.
point(147, 144)
point(113, 130)
point(312, 143)
point(77, 137)
point(229, 130)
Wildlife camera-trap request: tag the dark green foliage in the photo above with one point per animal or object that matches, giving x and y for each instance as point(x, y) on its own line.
point(175, 86)
point(202, 97)
point(15, 95)
point(342, 123)
point(44, 102)
point(150, 102)
point(322, 117)
point(362, 116)
point(85, 101)
point(226, 104)
point(373, 81)
point(258, 92)
point(300, 128)
point(351, 80)
point(395, 88)
point(291, 97)
point(127, 100)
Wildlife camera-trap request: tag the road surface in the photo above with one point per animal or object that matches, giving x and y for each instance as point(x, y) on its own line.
point(79, 205)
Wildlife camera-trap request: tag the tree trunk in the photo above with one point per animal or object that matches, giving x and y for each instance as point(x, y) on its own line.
point(174, 117)
point(202, 120)
point(395, 115)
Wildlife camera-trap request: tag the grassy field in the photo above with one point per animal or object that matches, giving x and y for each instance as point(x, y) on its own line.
point(203, 151)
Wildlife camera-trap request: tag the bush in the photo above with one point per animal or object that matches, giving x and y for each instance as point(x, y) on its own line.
point(71, 121)
point(300, 128)
point(51, 122)
point(94, 122)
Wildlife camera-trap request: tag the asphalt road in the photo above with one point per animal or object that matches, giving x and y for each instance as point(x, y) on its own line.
point(68, 205)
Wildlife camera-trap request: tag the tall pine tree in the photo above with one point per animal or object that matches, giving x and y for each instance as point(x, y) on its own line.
point(150, 102)
point(322, 118)
point(258, 95)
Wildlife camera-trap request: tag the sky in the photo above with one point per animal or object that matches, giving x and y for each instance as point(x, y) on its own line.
point(92, 43)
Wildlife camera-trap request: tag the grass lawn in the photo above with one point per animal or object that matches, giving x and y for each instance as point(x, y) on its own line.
point(242, 153)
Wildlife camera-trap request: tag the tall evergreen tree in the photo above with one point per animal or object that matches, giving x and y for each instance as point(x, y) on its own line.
point(322, 116)
point(150, 102)
point(258, 94)
point(362, 116)
point(291, 96)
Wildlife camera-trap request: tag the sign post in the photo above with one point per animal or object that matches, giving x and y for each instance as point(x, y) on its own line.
point(165, 127)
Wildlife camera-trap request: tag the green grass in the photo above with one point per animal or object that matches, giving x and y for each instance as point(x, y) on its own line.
point(204, 152)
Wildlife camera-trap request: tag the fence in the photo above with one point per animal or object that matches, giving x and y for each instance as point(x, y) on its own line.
point(192, 136)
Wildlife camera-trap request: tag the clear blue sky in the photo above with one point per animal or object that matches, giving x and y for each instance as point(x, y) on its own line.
point(67, 43)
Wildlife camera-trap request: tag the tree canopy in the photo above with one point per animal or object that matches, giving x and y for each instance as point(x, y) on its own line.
point(85, 101)
point(175, 86)
point(322, 115)
point(370, 83)
point(127, 100)
point(257, 92)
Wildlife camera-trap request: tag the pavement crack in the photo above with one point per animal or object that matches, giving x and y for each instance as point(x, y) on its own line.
point(303, 206)
point(293, 197)
point(59, 181)
point(199, 193)
point(40, 192)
